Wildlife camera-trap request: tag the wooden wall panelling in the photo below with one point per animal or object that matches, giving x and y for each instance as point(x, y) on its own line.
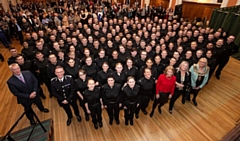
point(156, 3)
point(193, 9)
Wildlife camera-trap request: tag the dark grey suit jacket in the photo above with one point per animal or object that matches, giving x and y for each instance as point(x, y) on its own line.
point(23, 90)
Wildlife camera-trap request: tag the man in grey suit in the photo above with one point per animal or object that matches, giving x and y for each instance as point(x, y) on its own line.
point(24, 86)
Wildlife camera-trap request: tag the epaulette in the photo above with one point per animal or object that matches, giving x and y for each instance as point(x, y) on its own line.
point(54, 79)
point(68, 76)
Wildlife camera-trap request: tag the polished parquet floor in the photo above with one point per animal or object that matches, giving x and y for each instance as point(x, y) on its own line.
point(216, 114)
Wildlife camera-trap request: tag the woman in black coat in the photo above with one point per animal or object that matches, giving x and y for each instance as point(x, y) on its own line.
point(183, 83)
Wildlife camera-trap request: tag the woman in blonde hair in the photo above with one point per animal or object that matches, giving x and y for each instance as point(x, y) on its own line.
point(164, 88)
point(199, 77)
point(183, 83)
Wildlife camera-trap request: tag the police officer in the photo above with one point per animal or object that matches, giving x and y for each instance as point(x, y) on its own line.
point(63, 88)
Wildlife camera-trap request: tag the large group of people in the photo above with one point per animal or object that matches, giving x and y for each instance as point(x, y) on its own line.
point(95, 53)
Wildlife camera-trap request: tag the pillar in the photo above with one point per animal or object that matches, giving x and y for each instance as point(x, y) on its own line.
point(173, 3)
point(5, 5)
point(228, 3)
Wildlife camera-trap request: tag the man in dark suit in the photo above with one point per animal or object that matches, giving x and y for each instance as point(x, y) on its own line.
point(24, 86)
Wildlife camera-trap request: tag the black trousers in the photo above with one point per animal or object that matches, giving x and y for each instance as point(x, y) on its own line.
point(143, 104)
point(221, 64)
point(155, 103)
point(47, 82)
point(96, 113)
point(20, 36)
point(113, 111)
point(177, 94)
point(82, 104)
point(195, 93)
point(129, 112)
point(28, 106)
point(68, 110)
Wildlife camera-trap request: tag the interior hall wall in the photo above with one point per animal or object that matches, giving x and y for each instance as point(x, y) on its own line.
point(193, 9)
point(156, 3)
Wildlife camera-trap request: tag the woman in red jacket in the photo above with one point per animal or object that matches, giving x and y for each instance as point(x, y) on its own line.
point(164, 89)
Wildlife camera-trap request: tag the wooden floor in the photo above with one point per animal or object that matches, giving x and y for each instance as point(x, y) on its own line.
point(216, 114)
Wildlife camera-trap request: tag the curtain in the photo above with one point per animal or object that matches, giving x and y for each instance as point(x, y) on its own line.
point(230, 18)
point(221, 17)
point(213, 18)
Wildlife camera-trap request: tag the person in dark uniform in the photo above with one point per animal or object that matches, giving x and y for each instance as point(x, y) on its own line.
point(111, 98)
point(52, 65)
point(119, 76)
point(183, 83)
point(114, 60)
point(81, 86)
point(147, 85)
point(103, 74)
point(28, 51)
point(101, 59)
point(91, 68)
point(24, 86)
point(93, 103)
point(14, 53)
point(229, 49)
point(149, 64)
point(130, 69)
point(199, 77)
point(63, 89)
point(130, 99)
point(40, 68)
point(212, 62)
point(72, 68)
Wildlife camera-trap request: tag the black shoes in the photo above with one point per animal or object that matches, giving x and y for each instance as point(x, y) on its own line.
point(137, 116)
point(79, 118)
point(110, 122)
point(45, 110)
point(131, 122)
point(100, 124)
point(151, 114)
point(118, 122)
point(170, 111)
point(96, 126)
point(69, 122)
point(87, 118)
point(217, 76)
point(145, 112)
point(183, 101)
point(194, 102)
point(159, 110)
point(126, 122)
